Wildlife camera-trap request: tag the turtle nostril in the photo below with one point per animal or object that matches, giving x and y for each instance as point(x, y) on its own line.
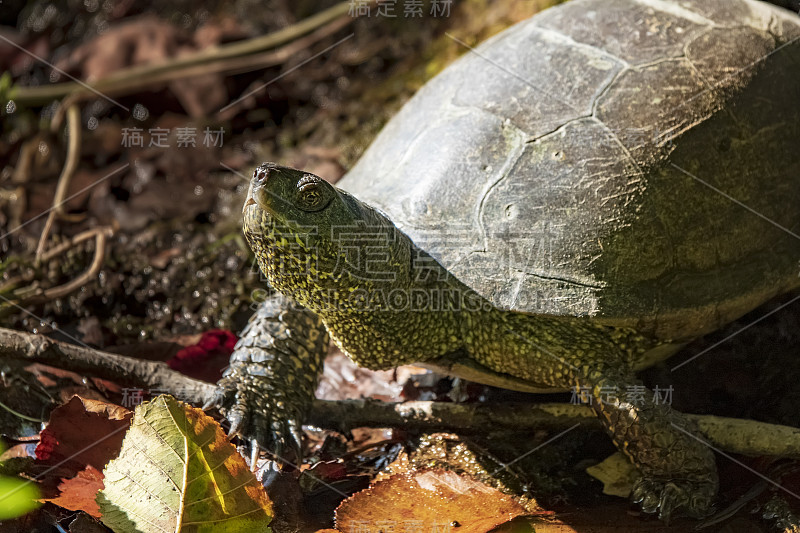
point(261, 173)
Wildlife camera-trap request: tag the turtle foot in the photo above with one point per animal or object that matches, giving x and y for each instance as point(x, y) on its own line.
point(270, 425)
point(674, 498)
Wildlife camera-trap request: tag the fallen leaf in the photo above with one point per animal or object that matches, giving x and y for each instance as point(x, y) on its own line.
point(427, 500)
point(136, 41)
point(342, 379)
point(79, 493)
point(82, 432)
point(177, 471)
point(617, 474)
point(23, 450)
point(205, 359)
point(17, 497)
point(202, 95)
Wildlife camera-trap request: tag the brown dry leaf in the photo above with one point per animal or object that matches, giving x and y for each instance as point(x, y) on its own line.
point(78, 493)
point(24, 450)
point(342, 379)
point(147, 40)
point(82, 432)
point(65, 383)
point(136, 41)
point(427, 500)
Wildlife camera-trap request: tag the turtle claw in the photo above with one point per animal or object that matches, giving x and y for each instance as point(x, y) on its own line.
point(297, 437)
point(287, 441)
point(268, 387)
point(237, 422)
point(673, 498)
point(254, 451)
point(213, 401)
point(263, 425)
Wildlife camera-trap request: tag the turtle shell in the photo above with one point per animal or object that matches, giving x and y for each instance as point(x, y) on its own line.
point(633, 161)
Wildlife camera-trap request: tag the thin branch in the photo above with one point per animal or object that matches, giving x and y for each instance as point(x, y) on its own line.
point(126, 370)
point(100, 234)
point(464, 418)
point(70, 166)
point(732, 435)
point(35, 294)
point(211, 59)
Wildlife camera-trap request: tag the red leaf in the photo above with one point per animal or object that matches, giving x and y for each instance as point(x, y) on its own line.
point(205, 359)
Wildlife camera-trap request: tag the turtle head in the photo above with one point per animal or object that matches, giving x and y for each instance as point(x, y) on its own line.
point(316, 243)
point(288, 196)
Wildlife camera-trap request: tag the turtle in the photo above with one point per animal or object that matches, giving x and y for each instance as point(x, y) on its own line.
point(566, 204)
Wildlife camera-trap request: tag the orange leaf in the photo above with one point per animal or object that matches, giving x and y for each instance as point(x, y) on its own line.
point(78, 493)
point(427, 500)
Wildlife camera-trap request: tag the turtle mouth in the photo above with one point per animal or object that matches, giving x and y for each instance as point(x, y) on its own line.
point(257, 222)
point(250, 201)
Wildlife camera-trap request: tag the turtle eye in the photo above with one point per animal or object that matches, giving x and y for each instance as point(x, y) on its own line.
point(313, 194)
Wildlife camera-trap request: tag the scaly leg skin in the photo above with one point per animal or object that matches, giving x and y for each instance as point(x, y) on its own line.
point(678, 471)
point(267, 390)
point(778, 512)
point(679, 475)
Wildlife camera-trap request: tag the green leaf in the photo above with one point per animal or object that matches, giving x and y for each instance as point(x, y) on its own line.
point(17, 497)
point(177, 472)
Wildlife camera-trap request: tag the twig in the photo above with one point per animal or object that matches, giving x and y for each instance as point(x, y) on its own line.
point(465, 418)
point(211, 59)
point(17, 204)
point(77, 239)
point(22, 170)
point(734, 435)
point(20, 415)
point(70, 165)
point(100, 235)
point(127, 370)
point(65, 105)
point(745, 437)
point(35, 294)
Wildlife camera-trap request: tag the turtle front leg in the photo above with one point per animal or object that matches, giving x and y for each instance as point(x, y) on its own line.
point(679, 475)
point(268, 387)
